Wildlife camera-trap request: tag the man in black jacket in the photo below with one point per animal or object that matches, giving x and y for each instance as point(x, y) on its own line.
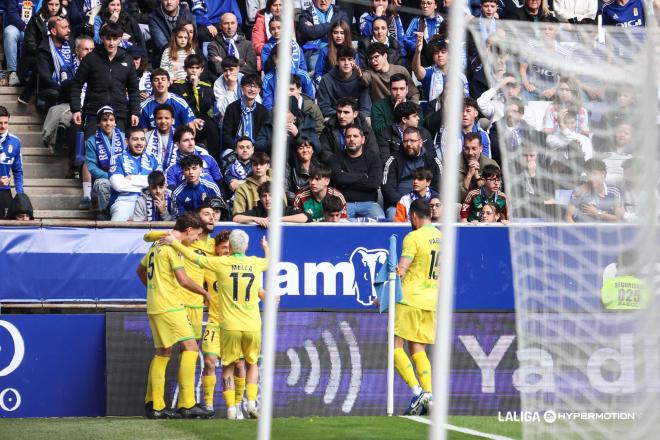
point(333, 136)
point(357, 174)
point(110, 77)
point(245, 116)
point(55, 63)
point(397, 180)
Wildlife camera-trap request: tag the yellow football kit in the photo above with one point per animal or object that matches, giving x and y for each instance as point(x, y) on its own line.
point(167, 318)
point(239, 282)
point(415, 314)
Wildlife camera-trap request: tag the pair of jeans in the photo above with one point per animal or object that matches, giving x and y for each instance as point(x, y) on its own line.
point(364, 209)
point(13, 38)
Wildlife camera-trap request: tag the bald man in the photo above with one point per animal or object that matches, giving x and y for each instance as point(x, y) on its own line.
point(231, 42)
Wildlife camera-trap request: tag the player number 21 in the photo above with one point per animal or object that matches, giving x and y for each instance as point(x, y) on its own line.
point(433, 267)
point(250, 277)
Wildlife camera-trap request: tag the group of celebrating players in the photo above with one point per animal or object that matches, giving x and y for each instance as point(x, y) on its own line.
point(185, 260)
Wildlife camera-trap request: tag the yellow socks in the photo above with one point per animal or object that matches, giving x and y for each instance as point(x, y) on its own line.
point(423, 367)
point(187, 379)
point(252, 390)
point(405, 368)
point(208, 387)
point(239, 383)
point(157, 381)
point(148, 396)
point(230, 398)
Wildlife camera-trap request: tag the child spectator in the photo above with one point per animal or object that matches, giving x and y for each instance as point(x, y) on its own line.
point(476, 199)
point(192, 192)
point(427, 25)
point(311, 199)
point(270, 81)
point(175, 54)
point(246, 116)
point(11, 164)
point(334, 210)
point(198, 95)
point(155, 202)
point(160, 140)
point(566, 97)
point(594, 200)
point(421, 189)
point(100, 148)
point(433, 78)
point(184, 139)
point(487, 19)
point(113, 11)
point(259, 214)
point(261, 31)
point(226, 88)
point(183, 114)
point(490, 213)
point(383, 10)
point(245, 196)
point(619, 154)
point(297, 58)
point(21, 208)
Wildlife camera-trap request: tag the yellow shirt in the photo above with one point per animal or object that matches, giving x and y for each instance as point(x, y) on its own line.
point(239, 282)
point(162, 286)
point(194, 272)
point(420, 282)
point(625, 293)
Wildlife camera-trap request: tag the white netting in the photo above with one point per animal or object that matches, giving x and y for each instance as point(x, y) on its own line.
point(586, 351)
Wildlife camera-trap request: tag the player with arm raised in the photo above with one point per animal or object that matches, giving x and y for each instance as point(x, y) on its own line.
point(161, 270)
point(239, 282)
point(415, 314)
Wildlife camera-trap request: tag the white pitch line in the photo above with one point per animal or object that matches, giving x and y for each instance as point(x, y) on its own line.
point(459, 429)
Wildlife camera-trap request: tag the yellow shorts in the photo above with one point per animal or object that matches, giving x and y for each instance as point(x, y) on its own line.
point(170, 328)
point(211, 340)
point(413, 324)
point(196, 315)
point(235, 344)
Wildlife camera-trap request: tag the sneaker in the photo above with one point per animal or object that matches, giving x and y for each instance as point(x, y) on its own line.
point(85, 203)
point(195, 412)
point(252, 410)
point(231, 413)
point(164, 413)
point(239, 412)
point(22, 100)
point(13, 80)
point(417, 404)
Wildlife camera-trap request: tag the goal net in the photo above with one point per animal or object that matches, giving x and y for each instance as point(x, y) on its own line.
point(574, 114)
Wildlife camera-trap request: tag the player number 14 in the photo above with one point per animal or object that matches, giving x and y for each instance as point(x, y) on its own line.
point(433, 267)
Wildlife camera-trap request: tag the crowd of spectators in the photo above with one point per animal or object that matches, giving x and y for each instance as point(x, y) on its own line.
point(166, 103)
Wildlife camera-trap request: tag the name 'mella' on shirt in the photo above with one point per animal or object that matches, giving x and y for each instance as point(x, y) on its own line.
point(238, 283)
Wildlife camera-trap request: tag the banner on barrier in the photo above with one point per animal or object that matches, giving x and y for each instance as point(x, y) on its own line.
point(323, 267)
point(52, 365)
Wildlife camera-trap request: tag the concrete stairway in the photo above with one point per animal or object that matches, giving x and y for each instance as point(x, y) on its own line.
point(53, 196)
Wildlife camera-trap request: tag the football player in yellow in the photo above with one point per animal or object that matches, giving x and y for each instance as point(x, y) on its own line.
point(161, 270)
point(415, 314)
point(239, 282)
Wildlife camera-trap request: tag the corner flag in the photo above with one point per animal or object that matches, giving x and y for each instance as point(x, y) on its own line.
point(386, 275)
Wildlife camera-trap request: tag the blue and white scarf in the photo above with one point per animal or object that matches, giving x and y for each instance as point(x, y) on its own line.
point(487, 28)
point(134, 165)
point(232, 49)
point(145, 83)
point(318, 17)
point(430, 193)
point(62, 60)
point(153, 214)
point(437, 83)
point(88, 5)
point(239, 170)
point(246, 121)
point(104, 150)
point(199, 6)
point(164, 154)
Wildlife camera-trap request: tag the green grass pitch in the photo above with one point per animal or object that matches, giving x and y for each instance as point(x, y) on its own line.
point(317, 428)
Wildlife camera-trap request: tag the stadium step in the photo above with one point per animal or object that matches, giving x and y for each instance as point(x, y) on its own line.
point(16, 109)
point(45, 170)
point(56, 202)
point(29, 139)
point(51, 182)
point(76, 214)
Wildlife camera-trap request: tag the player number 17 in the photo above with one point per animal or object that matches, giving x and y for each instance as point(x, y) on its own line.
point(250, 277)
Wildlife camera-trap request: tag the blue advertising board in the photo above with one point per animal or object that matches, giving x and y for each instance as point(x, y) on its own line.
point(322, 268)
point(48, 370)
